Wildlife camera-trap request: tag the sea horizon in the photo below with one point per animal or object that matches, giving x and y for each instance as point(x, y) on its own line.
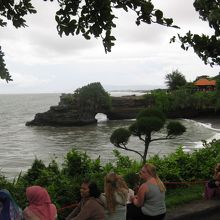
point(108, 88)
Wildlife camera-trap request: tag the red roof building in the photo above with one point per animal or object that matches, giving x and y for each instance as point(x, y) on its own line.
point(205, 84)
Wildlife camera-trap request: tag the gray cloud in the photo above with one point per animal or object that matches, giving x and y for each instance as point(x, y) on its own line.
point(40, 61)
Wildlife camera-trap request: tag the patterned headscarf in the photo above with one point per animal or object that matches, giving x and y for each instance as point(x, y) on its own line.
point(40, 203)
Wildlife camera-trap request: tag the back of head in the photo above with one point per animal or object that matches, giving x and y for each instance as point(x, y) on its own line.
point(152, 171)
point(40, 203)
point(37, 195)
point(114, 184)
point(111, 180)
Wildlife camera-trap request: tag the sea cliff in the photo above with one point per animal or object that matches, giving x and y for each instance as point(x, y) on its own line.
point(69, 113)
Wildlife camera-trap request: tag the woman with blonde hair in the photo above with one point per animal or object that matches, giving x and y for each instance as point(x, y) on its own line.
point(115, 197)
point(150, 197)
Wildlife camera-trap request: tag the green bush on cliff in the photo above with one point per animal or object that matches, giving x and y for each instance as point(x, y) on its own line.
point(93, 97)
point(184, 98)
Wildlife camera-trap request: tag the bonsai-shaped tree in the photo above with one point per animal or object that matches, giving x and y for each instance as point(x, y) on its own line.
point(148, 122)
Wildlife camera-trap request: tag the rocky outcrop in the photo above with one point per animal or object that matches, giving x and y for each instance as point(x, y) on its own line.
point(127, 107)
point(62, 116)
point(68, 113)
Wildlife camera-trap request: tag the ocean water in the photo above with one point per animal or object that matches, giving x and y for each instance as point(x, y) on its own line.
point(19, 144)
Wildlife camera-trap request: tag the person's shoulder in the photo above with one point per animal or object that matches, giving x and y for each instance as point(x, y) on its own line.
point(53, 210)
point(125, 190)
point(102, 197)
point(95, 202)
point(143, 188)
point(144, 185)
point(28, 214)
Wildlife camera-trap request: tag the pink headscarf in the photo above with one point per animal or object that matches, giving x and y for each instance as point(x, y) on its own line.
point(40, 203)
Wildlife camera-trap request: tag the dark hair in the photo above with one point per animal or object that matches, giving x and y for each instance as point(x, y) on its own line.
point(93, 188)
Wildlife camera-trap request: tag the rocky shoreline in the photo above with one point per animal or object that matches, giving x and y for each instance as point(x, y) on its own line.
point(125, 107)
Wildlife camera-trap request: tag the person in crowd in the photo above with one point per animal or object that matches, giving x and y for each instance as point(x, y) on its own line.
point(9, 210)
point(115, 197)
point(40, 206)
point(90, 207)
point(216, 176)
point(212, 187)
point(150, 198)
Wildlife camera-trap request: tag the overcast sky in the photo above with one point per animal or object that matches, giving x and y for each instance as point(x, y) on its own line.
point(40, 61)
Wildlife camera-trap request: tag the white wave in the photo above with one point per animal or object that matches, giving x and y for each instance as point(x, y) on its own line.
point(100, 117)
point(198, 145)
point(215, 136)
point(126, 93)
point(206, 125)
point(186, 150)
point(192, 146)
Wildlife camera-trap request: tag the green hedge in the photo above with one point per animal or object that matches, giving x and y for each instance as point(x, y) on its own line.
point(63, 182)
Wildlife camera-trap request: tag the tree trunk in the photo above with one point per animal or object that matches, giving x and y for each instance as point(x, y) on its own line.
point(147, 142)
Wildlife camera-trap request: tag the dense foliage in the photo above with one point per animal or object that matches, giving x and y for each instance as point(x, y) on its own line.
point(186, 98)
point(4, 74)
point(96, 18)
point(93, 97)
point(63, 182)
point(148, 122)
point(89, 18)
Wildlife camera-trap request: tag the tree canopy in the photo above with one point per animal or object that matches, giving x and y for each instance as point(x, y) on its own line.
point(4, 74)
point(96, 18)
point(148, 123)
point(207, 47)
point(91, 18)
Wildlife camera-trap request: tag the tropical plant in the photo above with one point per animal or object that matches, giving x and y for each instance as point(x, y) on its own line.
point(148, 122)
point(175, 80)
